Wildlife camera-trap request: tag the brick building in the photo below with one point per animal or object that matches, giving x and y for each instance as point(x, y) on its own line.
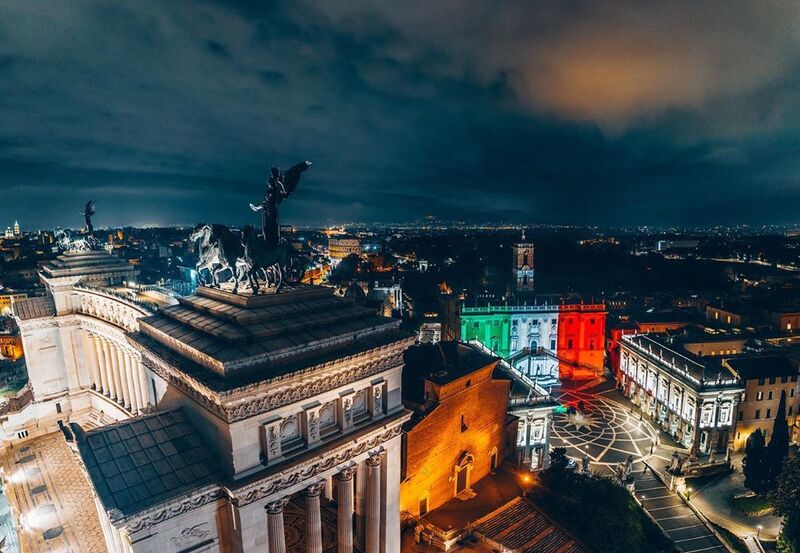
point(460, 431)
point(765, 377)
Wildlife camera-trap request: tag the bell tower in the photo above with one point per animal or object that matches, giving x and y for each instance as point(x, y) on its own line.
point(523, 267)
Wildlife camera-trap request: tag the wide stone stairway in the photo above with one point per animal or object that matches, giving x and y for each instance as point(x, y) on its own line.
point(677, 519)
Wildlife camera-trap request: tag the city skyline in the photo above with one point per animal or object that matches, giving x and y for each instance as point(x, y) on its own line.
point(566, 113)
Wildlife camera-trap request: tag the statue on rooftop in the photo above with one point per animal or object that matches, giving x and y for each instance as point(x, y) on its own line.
point(70, 241)
point(280, 185)
point(247, 256)
point(88, 213)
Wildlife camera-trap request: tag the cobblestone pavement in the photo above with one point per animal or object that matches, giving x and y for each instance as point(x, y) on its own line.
point(51, 498)
point(608, 432)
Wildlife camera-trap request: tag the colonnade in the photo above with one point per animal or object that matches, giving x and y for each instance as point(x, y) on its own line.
point(117, 373)
point(345, 504)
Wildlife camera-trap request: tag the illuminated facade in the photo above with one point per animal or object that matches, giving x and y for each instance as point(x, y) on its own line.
point(341, 246)
point(765, 378)
point(694, 399)
point(544, 342)
point(459, 433)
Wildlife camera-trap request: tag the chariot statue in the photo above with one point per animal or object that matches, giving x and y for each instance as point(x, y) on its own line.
point(280, 186)
point(70, 241)
point(231, 257)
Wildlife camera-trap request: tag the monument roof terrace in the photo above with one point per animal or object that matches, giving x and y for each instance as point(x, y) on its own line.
point(229, 334)
point(87, 263)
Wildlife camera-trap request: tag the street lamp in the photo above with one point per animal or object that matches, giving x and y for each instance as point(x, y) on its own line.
point(759, 527)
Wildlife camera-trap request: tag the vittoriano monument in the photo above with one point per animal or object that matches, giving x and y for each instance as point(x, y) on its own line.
point(246, 255)
point(69, 241)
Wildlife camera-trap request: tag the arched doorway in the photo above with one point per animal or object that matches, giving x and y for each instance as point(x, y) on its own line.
point(462, 472)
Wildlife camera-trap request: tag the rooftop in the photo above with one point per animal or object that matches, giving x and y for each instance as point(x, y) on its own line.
point(445, 361)
point(90, 263)
point(764, 366)
point(142, 462)
point(225, 340)
point(669, 353)
point(34, 308)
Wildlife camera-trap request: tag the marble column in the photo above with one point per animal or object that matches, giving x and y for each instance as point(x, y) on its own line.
point(101, 364)
point(123, 382)
point(91, 361)
point(373, 504)
point(142, 382)
point(112, 384)
point(275, 531)
point(133, 382)
point(344, 514)
point(313, 518)
point(116, 373)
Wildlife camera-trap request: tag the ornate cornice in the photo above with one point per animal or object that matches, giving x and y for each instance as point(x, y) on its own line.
point(156, 517)
point(268, 486)
point(261, 397)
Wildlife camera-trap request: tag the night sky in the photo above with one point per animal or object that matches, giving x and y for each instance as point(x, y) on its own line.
point(588, 112)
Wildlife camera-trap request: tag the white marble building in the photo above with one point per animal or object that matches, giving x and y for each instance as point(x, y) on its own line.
point(295, 395)
point(199, 422)
point(81, 367)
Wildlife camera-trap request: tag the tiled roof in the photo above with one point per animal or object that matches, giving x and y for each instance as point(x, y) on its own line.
point(144, 461)
point(520, 526)
point(765, 366)
point(34, 308)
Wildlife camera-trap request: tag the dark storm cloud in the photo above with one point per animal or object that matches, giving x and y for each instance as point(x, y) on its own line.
point(575, 111)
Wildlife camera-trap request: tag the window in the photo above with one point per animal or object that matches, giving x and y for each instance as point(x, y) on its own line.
point(769, 395)
point(772, 380)
point(476, 324)
point(760, 381)
point(591, 343)
point(423, 506)
point(591, 321)
point(553, 346)
point(769, 413)
point(791, 393)
point(469, 383)
point(569, 343)
point(759, 396)
point(464, 426)
point(758, 414)
point(741, 415)
point(784, 379)
point(789, 412)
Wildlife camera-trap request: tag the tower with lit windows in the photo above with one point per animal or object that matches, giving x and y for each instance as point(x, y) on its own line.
point(523, 267)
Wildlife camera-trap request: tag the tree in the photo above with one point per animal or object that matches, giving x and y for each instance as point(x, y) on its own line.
point(558, 459)
point(778, 448)
point(786, 501)
point(754, 466)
